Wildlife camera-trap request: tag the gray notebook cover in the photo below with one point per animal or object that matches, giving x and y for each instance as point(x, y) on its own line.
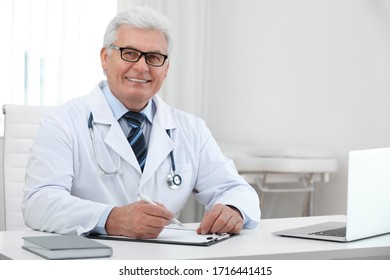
point(65, 247)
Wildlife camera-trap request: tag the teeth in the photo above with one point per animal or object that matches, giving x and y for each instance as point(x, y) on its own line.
point(137, 80)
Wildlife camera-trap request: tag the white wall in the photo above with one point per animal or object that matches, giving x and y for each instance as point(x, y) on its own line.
point(305, 74)
point(2, 207)
point(301, 74)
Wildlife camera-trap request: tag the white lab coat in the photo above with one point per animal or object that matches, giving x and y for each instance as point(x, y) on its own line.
point(65, 190)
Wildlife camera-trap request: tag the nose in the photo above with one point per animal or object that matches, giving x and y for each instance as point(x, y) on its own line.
point(141, 64)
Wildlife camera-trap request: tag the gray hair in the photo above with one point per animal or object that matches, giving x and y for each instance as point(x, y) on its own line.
point(138, 17)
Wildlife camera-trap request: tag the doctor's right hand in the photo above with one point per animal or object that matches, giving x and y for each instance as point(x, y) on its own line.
point(138, 220)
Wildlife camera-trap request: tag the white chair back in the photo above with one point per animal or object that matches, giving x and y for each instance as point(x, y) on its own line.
point(21, 123)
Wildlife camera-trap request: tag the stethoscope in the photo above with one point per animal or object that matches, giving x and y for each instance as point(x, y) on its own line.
point(173, 180)
point(116, 169)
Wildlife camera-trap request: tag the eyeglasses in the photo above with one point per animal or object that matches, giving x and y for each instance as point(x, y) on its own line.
point(133, 55)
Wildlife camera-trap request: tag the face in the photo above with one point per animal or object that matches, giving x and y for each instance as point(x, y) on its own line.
point(135, 83)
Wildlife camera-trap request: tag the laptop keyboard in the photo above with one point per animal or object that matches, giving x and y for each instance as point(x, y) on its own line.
point(339, 232)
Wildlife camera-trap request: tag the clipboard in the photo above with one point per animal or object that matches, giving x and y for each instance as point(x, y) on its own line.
point(173, 235)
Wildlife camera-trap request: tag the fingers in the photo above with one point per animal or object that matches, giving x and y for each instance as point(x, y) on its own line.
point(155, 216)
point(221, 219)
point(145, 220)
point(138, 220)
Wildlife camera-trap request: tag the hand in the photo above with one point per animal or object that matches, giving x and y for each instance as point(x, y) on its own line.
point(221, 219)
point(138, 220)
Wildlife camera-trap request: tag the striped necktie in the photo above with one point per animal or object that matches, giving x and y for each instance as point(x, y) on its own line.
point(136, 137)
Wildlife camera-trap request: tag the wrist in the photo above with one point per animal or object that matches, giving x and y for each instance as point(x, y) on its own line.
point(236, 210)
point(111, 224)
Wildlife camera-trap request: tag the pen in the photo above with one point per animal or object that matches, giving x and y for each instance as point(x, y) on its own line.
point(148, 200)
point(216, 237)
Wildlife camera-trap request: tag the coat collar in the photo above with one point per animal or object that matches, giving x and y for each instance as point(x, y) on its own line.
point(160, 144)
point(105, 121)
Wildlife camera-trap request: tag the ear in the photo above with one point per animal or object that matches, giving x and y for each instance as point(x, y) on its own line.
point(104, 58)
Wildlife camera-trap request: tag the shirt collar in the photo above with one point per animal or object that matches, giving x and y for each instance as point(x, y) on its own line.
point(118, 109)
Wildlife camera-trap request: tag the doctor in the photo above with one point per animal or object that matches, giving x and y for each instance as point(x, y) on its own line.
point(84, 177)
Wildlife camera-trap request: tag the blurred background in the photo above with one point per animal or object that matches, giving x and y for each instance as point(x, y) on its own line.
point(273, 74)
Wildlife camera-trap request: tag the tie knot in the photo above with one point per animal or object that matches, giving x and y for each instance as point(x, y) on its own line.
point(134, 118)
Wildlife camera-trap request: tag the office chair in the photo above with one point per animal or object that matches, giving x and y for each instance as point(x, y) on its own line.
point(20, 126)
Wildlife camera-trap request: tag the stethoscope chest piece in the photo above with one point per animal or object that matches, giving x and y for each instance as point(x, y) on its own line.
point(173, 180)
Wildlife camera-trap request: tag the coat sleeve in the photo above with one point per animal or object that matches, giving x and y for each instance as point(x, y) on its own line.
point(48, 204)
point(219, 182)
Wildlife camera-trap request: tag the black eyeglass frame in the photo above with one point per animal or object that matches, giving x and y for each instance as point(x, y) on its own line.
point(142, 54)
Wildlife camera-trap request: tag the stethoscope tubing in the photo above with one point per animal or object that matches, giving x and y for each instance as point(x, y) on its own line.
point(173, 180)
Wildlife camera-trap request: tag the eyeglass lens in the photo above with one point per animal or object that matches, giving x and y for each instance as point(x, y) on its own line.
point(154, 59)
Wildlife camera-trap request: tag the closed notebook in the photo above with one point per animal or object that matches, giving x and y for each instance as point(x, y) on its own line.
point(59, 247)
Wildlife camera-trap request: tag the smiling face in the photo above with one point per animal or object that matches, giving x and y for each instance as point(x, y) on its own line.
point(135, 83)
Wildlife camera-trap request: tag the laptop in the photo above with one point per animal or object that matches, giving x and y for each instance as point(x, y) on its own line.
point(368, 205)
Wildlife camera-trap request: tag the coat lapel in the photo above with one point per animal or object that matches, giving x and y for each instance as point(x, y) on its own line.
point(160, 144)
point(107, 125)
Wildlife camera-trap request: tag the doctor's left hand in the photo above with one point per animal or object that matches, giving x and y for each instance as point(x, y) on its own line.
point(138, 220)
point(221, 219)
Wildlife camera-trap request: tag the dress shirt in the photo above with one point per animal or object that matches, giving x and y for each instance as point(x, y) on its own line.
point(118, 110)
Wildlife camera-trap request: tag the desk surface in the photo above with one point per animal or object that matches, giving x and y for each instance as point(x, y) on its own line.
point(250, 244)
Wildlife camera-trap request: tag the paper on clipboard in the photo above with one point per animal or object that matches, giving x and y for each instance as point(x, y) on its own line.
point(173, 235)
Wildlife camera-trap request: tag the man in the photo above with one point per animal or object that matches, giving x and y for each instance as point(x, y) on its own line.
point(84, 177)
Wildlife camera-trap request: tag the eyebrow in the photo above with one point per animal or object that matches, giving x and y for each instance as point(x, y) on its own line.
point(134, 48)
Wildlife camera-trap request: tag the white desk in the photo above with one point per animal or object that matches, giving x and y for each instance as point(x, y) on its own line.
point(250, 244)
